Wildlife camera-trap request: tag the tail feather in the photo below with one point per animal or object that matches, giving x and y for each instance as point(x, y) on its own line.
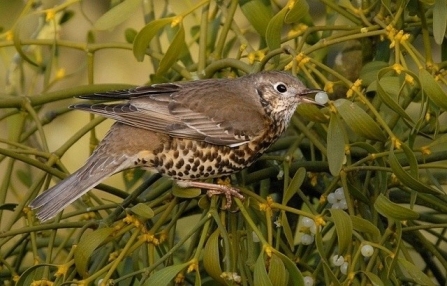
point(49, 203)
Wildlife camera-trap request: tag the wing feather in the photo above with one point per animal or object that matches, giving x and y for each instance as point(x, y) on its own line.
point(178, 110)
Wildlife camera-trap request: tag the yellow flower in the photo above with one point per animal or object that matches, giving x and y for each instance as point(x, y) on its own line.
point(290, 4)
point(61, 270)
point(49, 16)
point(9, 36)
point(329, 87)
point(355, 87)
point(319, 221)
point(425, 150)
point(267, 205)
point(177, 20)
point(398, 68)
point(396, 142)
point(268, 250)
point(409, 79)
point(193, 266)
point(60, 73)
point(297, 31)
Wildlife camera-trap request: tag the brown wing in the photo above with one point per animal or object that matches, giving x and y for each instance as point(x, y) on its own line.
point(216, 111)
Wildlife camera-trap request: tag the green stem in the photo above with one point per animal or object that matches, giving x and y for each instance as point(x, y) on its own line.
point(425, 35)
point(179, 245)
point(342, 11)
point(311, 136)
point(203, 39)
point(226, 28)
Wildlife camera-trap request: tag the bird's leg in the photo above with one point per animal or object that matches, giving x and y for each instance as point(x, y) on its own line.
point(214, 189)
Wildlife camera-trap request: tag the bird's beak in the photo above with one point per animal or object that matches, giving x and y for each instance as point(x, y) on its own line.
point(306, 99)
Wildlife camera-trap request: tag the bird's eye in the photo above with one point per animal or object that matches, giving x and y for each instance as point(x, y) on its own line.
point(280, 87)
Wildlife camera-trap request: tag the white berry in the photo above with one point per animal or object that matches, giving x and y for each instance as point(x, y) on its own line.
point(321, 97)
point(367, 250)
point(307, 239)
point(308, 281)
point(313, 229)
point(336, 206)
point(308, 222)
point(343, 204)
point(338, 260)
point(339, 194)
point(331, 198)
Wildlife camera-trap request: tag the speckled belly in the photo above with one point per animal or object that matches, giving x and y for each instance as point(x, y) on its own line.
point(189, 159)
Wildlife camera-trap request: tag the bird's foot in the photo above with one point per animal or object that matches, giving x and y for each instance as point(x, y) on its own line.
point(215, 189)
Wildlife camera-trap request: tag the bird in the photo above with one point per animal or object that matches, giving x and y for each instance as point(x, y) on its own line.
point(188, 130)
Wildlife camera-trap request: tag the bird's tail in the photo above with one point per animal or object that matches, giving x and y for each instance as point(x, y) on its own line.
point(97, 168)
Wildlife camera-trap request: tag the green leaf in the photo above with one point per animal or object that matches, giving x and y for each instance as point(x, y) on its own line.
point(184, 53)
point(274, 30)
point(412, 161)
point(392, 210)
point(441, 140)
point(277, 271)
point(369, 71)
point(294, 185)
point(186, 193)
point(287, 229)
point(415, 272)
point(335, 145)
point(407, 179)
point(343, 226)
point(117, 14)
point(299, 10)
point(359, 121)
point(165, 275)
point(172, 54)
point(312, 112)
point(433, 90)
point(439, 20)
point(365, 226)
point(295, 276)
point(375, 280)
point(146, 35)
point(358, 194)
point(87, 244)
point(130, 35)
point(35, 273)
point(211, 257)
point(143, 211)
point(322, 252)
point(261, 277)
point(258, 13)
point(387, 98)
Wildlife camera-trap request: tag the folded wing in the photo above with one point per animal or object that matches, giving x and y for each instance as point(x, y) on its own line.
point(204, 111)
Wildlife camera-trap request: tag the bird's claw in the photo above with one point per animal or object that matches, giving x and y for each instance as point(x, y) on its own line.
point(229, 193)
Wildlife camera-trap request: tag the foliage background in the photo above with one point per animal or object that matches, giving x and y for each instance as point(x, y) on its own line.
point(381, 138)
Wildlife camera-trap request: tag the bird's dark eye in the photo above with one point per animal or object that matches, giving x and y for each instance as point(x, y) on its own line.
point(280, 87)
